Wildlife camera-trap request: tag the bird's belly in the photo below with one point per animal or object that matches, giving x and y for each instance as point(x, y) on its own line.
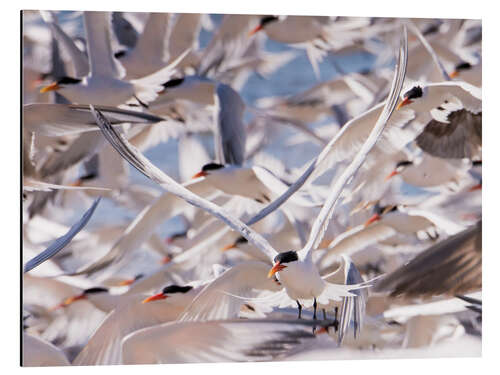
point(302, 282)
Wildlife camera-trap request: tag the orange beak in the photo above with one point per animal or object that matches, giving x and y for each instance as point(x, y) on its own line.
point(70, 300)
point(199, 174)
point(476, 187)
point(229, 247)
point(166, 259)
point(374, 218)
point(454, 74)
point(256, 30)
point(156, 297)
point(76, 183)
point(126, 282)
point(52, 87)
point(391, 175)
point(404, 102)
point(276, 268)
point(321, 330)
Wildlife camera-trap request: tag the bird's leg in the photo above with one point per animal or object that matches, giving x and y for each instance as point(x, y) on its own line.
point(300, 309)
point(324, 314)
point(336, 324)
point(315, 305)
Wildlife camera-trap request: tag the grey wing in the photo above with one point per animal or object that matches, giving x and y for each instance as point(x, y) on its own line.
point(460, 138)
point(353, 308)
point(124, 30)
point(216, 341)
point(452, 266)
point(61, 242)
point(60, 119)
point(229, 130)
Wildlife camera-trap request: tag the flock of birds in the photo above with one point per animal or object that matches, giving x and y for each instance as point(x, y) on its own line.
point(371, 248)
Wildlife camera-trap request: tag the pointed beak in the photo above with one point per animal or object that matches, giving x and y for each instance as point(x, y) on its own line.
point(404, 102)
point(391, 175)
point(276, 268)
point(166, 259)
point(70, 300)
point(374, 218)
point(256, 30)
point(476, 187)
point(454, 74)
point(76, 183)
point(199, 174)
point(52, 87)
point(229, 247)
point(126, 282)
point(321, 330)
point(156, 297)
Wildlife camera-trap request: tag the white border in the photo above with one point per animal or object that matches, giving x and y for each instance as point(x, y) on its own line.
point(9, 269)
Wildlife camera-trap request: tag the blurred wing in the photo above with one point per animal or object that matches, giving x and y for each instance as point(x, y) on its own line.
point(215, 300)
point(38, 352)
point(61, 242)
point(460, 138)
point(61, 119)
point(98, 32)
point(229, 130)
point(104, 347)
point(215, 341)
point(452, 266)
point(78, 58)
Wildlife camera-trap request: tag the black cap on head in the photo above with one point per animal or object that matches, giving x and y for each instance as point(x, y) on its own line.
point(382, 210)
point(286, 257)
point(95, 290)
point(173, 82)
point(241, 240)
point(120, 54)
point(404, 163)
point(268, 19)
point(68, 81)
point(414, 93)
point(211, 167)
point(171, 289)
point(463, 66)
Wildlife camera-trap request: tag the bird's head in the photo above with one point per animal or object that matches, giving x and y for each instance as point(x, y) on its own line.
point(239, 241)
point(207, 169)
point(459, 68)
point(413, 94)
point(84, 295)
point(168, 291)
point(60, 84)
point(400, 167)
point(379, 212)
point(281, 260)
point(131, 281)
point(262, 24)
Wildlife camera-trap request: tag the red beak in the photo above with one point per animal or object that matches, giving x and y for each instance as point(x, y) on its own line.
point(199, 174)
point(374, 218)
point(391, 175)
point(228, 247)
point(454, 74)
point(156, 297)
point(476, 187)
point(166, 259)
point(404, 102)
point(256, 30)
